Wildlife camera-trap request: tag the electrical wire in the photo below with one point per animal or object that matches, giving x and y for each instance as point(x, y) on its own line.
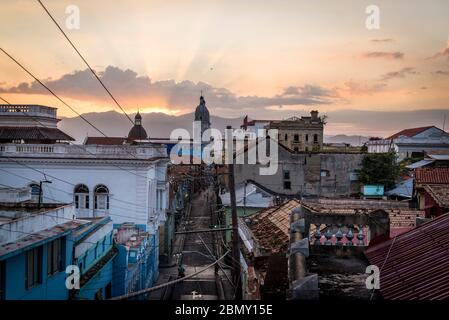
point(85, 61)
point(144, 291)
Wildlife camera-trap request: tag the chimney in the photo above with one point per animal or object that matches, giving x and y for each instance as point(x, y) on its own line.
point(314, 115)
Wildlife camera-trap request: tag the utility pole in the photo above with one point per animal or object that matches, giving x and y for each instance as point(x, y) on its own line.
point(235, 226)
point(39, 203)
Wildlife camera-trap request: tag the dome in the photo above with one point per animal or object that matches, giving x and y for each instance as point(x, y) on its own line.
point(137, 132)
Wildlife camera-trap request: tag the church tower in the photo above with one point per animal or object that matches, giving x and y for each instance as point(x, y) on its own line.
point(137, 132)
point(202, 115)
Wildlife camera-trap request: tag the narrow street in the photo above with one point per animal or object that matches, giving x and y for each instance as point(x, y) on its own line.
point(194, 251)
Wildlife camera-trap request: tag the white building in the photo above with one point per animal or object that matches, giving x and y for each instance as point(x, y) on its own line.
point(124, 178)
point(412, 142)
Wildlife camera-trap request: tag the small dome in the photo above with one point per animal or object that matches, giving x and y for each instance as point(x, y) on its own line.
point(137, 133)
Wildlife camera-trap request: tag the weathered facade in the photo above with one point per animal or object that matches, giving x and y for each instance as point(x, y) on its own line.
point(414, 142)
point(300, 134)
point(306, 174)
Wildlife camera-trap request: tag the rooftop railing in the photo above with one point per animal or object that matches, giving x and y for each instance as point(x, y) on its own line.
point(35, 110)
point(82, 151)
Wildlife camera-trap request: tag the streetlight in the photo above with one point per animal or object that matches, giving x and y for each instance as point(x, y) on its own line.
point(40, 192)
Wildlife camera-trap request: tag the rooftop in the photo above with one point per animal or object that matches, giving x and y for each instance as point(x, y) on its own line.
point(410, 132)
point(438, 175)
point(401, 215)
point(10, 133)
point(27, 110)
point(270, 227)
point(415, 264)
point(144, 151)
point(252, 198)
point(110, 141)
point(35, 238)
point(341, 278)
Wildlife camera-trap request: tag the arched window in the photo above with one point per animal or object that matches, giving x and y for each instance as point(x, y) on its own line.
point(101, 197)
point(35, 191)
point(81, 196)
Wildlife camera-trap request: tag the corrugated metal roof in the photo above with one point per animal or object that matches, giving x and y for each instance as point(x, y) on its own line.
point(402, 189)
point(254, 197)
point(419, 164)
point(410, 132)
point(415, 264)
point(439, 157)
point(33, 133)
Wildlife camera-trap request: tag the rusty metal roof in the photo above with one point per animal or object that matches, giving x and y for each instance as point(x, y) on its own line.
point(415, 264)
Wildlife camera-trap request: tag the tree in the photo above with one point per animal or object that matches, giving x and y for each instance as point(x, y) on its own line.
point(379, 168)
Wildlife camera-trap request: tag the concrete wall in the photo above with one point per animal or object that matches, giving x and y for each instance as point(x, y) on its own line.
point(311, 174)
point(50, 288)
point(31, 223)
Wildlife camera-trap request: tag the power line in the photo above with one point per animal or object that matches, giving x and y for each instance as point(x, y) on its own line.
point(51, 92)
point(57, 97)
point(69, 219)
point(74, 144)
point(84, 60)
point(140, 292)
point(4, 100)
point(65, 103)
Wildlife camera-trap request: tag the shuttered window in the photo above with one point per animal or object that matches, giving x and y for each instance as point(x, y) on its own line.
point(33, 267)
point(54, 256)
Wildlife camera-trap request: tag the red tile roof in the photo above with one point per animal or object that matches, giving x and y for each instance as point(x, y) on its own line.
point(432, 175)
point(270, 226)
point(415, 264)
point(410, 132)
point(33, 133)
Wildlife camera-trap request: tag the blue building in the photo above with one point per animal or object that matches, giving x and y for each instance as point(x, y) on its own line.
point(136, 264)
point(94, 253)
point(36, 246)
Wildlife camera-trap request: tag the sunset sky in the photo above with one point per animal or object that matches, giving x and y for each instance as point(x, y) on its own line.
point(267, 59)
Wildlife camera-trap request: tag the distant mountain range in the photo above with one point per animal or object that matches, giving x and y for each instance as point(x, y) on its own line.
point(160, 125)
point(157, 125)
point(353, 140)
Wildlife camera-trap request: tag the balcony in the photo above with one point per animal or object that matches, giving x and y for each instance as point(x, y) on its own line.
point(29, 110)
point(141, 152)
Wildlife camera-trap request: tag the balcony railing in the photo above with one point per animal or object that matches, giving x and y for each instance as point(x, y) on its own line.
point(36, 110)
point(82, 151)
